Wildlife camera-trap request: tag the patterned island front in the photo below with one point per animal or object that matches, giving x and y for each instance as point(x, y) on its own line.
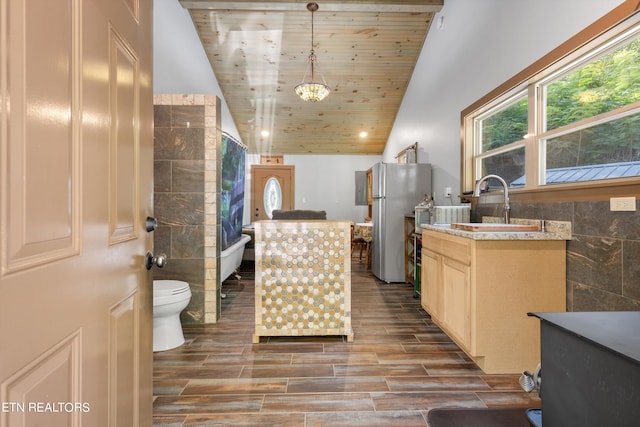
point(303, 278)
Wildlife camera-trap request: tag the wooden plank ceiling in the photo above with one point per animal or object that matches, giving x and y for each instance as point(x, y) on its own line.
point(366, 50)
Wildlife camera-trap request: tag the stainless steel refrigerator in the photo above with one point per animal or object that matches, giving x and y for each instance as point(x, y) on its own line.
point(396, 190)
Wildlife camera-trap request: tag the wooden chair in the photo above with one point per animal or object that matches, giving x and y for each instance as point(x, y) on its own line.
point(362, 246)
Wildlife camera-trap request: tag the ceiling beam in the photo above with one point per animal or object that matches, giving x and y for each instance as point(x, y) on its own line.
point(374, 6)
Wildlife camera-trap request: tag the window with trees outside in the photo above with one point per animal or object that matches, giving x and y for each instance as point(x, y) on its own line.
point(577, 121)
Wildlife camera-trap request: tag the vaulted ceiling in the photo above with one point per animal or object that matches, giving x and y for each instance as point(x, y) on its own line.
point(366, 51)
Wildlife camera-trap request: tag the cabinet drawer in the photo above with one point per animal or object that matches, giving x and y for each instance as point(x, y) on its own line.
point(453, 247)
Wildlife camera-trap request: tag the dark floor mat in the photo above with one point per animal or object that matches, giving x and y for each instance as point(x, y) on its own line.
point(472, 417)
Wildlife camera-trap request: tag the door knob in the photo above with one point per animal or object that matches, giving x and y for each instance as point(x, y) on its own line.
point(150, 260)
point(151, 224)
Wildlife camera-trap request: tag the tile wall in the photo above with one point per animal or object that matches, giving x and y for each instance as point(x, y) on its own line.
point(603, 257)
point(303, 278)
point(186, 188)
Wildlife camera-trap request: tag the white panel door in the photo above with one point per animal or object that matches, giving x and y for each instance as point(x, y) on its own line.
point(76, 159)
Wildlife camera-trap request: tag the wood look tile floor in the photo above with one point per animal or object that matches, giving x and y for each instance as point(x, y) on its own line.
point(398, 367)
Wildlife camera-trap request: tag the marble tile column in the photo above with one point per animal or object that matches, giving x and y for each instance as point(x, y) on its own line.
point(187, 133)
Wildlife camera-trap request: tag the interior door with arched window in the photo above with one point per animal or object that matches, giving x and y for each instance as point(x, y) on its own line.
point(272, 187)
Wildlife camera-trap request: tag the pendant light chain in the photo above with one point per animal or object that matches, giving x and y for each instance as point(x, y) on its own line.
point(313, 52)
point(312, 91)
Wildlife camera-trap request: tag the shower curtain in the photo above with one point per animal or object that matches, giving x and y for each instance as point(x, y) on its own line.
point(232, 189)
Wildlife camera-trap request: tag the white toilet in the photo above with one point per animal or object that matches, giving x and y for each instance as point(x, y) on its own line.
point(170, 297)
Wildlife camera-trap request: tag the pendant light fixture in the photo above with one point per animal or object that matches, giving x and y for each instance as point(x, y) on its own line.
point(312, 91)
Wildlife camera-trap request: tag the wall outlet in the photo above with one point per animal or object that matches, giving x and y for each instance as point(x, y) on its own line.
point(447, 192)
point(624, 204)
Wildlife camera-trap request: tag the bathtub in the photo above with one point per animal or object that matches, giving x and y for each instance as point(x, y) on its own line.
point(231, 257)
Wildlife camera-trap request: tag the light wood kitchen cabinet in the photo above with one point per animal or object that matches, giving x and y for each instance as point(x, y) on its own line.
point(456, 300)
point(430, 293)
point(480, 291)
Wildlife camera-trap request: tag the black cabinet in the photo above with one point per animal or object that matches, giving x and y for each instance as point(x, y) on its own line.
point(590, 369)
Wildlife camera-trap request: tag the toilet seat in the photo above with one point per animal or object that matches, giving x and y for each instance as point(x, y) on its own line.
point(170, 291)
point(163, 288)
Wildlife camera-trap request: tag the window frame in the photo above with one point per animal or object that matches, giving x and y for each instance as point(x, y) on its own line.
point(560, 61)
point(501, 104)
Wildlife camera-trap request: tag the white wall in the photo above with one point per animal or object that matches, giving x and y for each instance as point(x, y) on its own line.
point(327, 182)
point(180, 64)
point(322, 182)
point(480, 45)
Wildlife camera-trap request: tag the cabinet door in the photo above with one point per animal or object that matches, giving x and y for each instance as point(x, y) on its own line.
point(430, 296)
point(456, 299)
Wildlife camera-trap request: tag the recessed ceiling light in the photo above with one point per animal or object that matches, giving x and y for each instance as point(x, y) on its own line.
point(363, 134)
point(264, 133)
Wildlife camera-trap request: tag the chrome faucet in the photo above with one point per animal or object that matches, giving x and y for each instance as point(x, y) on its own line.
point(507, 208)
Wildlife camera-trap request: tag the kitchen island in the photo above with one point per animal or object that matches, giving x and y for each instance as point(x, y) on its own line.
point(479, 286)
point(303, 278)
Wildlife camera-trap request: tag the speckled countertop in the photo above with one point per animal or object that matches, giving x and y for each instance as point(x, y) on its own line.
point(553, 230)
